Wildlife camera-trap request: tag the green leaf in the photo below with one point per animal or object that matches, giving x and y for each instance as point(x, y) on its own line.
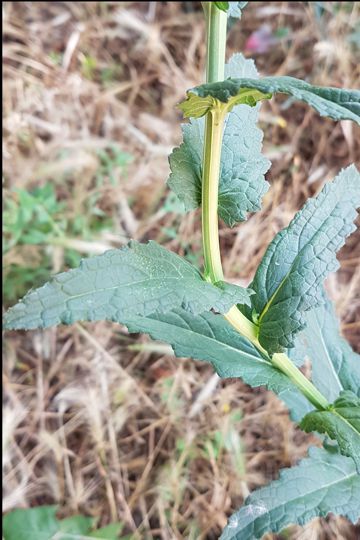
point(242, 169)
point(223, 6)
point(30, 523)
point(336, 103)
point(209, 337)
point(76, 525)
point(341, 423)
point(288, 281)
point(138, 279)
point(334, 365)
point(322, 483)
point(110, 532)
point(195, 106)
point(40, 523)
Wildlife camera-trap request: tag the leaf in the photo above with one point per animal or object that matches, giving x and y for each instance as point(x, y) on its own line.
point(195, 106)
point(76, 525)
point(322, 483)
point(341, 423)
point(223, 6)
point(110, 532)
point(336, 103)
point(137, 279)
point(40, 523)
point(334, 365)
point(209, 337)
point(37, 523)
point(288, 281)
point(242, 169)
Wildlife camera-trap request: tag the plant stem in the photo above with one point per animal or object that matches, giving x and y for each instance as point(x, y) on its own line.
point(284, 364)
point(214, 125)
point(244, 326)
point(210, 191)
point(280, 360)
point(216, 22)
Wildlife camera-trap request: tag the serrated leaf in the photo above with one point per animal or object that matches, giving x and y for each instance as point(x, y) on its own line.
point(341, 423)
point(242, 168)
point(209, 337)
point(195, 106)
point(322, 483)
point(288, 281)
point(136, 279)
point(336, 103)
point(334, 365)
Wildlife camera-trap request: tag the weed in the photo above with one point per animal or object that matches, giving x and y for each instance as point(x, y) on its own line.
point(261, 333)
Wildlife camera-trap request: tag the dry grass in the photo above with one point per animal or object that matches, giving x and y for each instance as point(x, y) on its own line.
point(110, 424)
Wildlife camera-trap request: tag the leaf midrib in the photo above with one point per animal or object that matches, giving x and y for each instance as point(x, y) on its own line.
point(210, 338)
point(346, 421)
point(332, 367)
point(299, 253)
point(131, 284)
point(275, 293)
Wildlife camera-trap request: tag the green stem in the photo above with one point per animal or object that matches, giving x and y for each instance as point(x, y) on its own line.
point(284, 364)
point(210, 194)
point(279, 360)
point(214, 125)
point(216, 22)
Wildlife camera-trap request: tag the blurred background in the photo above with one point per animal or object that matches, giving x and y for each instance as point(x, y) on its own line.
point(110, 425)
